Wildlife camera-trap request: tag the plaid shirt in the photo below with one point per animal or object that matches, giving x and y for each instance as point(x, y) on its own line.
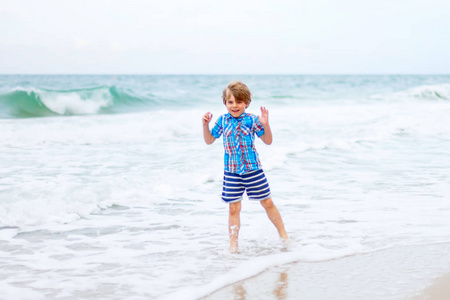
point(239, 141)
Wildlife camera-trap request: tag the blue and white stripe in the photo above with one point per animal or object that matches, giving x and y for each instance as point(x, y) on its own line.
point(254, 183)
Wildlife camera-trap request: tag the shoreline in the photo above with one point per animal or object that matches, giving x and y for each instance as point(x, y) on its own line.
point(438, 290)
point(403, 272)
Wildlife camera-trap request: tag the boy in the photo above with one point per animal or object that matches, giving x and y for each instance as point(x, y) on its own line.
point(243, 171)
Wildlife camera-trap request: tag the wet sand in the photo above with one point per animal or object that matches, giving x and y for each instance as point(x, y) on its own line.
point(439, 290)
point(407, 272)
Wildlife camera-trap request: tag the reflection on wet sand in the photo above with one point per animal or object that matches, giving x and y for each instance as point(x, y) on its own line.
point(279, 291)
point(239, 291)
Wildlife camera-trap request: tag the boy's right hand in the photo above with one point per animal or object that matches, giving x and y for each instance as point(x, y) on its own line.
point(207, 118)
point(209, 139)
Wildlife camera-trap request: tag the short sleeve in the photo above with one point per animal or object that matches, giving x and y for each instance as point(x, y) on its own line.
point(218, 128)
point(258, 127)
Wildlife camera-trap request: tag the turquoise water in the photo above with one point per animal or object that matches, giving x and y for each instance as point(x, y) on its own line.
point(107, 188)
point(42, 96)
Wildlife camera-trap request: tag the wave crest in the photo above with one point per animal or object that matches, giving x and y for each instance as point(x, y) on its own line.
point(425, 92)
point(36, 102)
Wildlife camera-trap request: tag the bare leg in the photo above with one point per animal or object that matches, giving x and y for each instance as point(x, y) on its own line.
point(234, 224)
point(275, 217)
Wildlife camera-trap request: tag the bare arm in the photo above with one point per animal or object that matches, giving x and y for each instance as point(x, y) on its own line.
point(209, 139)
point(264, 119)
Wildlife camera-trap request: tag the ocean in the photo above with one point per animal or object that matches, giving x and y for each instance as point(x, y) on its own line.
point(108, 191)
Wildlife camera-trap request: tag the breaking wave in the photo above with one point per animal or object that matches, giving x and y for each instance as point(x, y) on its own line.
point(37, 102)
point(425, 92)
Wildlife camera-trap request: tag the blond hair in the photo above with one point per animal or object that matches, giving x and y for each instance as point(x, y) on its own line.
point(240, 92)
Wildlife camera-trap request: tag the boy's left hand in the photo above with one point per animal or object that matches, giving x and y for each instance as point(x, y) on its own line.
point(264, 119)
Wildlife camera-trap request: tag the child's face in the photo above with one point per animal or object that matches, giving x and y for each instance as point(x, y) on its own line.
point(235, 107)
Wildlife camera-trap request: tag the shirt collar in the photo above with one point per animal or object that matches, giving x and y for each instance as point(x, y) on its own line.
point(229, 116)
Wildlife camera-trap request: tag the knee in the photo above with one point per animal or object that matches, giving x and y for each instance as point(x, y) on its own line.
point(235, 208)
point(268, 203)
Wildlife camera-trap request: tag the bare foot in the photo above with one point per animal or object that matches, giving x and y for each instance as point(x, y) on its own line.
point(234, 248)
point(286, 242)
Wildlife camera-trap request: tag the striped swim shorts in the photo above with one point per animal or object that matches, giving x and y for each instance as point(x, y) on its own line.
point(254, 183)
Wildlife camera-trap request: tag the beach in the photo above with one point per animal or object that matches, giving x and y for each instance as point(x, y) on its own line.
point(108, 191)
point(438, 290)
point(414, 272)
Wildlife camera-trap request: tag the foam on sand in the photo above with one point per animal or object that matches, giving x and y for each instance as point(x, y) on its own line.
point(396, 273)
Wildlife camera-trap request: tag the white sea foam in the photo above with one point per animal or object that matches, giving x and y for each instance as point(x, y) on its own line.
point(73, 102)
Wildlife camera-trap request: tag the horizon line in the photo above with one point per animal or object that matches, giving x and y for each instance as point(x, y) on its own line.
point(227, 74)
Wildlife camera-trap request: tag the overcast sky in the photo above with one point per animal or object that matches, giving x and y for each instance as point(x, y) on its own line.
point(225, 37)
